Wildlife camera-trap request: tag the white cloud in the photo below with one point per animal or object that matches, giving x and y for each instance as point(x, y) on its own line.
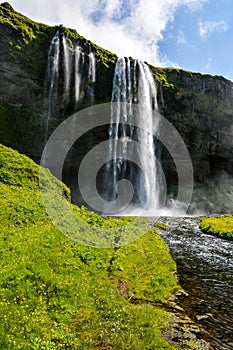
point(208, 63)
point(181, 38)
point(126, 27)
point(208, 27)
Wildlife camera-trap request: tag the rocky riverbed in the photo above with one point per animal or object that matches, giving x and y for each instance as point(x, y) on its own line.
point(205, 270)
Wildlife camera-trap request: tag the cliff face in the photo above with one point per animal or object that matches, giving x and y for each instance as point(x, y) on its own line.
point(201, 109)
point(199, 106)
point(24, 47)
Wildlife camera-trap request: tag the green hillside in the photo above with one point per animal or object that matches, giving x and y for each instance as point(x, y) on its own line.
point(55, 293)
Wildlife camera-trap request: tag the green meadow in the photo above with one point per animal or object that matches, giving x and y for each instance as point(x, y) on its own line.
point(56, 293)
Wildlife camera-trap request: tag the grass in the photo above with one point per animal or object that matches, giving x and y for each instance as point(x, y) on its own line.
point(218, 226)
point(58, 294)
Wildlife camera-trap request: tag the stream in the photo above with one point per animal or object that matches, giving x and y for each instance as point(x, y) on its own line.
point(205, 271)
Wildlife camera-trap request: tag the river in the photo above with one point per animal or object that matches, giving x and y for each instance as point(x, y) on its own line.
point(205, 271)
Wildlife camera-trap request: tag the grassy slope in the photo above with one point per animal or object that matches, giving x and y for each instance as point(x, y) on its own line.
point(221, 227)
point(55, 293)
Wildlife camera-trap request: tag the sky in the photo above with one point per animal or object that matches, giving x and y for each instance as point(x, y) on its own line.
point(195, 35)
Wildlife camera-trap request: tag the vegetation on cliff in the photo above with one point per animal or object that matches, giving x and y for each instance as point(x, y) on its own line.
point(55, 293)
point(30, 37)
point(24, 46)
point(218, 226)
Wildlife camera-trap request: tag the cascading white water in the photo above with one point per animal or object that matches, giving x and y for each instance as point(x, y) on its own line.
point(53, 63)
point(53, 74)
point(79, 63)
point(133, 82)
point(92, 68)
point(67, 67)
point(52, 77)
point(79, 67)
point(120, 93)
point(147, 97)
point(91, 75)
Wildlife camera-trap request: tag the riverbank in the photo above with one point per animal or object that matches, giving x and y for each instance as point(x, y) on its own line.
point(220, 226)
point(205, 271)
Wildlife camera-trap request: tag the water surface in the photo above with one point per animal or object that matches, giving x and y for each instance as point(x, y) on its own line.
point(205, 270)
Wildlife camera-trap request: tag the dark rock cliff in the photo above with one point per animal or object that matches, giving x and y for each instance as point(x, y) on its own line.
point(199, 106)
point(201, 109)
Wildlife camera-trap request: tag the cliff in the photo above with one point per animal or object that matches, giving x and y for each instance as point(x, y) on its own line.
point(24, 47)
point(199, 106)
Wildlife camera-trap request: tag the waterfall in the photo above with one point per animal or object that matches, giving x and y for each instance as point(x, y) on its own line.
point(133, 82)
point(118, 133)
point(57, 47)
point(52, 77)
point(92, 68)
point(79, 63)
point(67, 67)
point(147, 97)
point(91, 75)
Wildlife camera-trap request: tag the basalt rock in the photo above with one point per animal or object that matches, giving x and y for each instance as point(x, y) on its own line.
point(201, 109)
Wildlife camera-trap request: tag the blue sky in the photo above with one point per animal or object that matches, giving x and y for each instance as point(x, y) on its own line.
point(196, 35)
point(202, 41)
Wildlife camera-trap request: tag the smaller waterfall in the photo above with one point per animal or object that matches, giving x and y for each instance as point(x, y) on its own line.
point(79, 63)
point(53, 63)
point(91, 75)
point(92, 68)
point(67, 67)
point(52, 77)
point(133, 82)
point(70, 76)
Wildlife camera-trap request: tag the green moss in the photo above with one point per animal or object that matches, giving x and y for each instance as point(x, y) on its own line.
point(161, 76)
point(221, 226)
point(174, 81)
point(55, 293)
point(134, 267)
point(215, 106)
point(160, 225)
point(28, 37)
point(26, 28)
point(102, 55)
point(20, 127)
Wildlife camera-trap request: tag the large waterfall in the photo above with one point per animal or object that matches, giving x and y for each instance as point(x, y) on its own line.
point(133, 83)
